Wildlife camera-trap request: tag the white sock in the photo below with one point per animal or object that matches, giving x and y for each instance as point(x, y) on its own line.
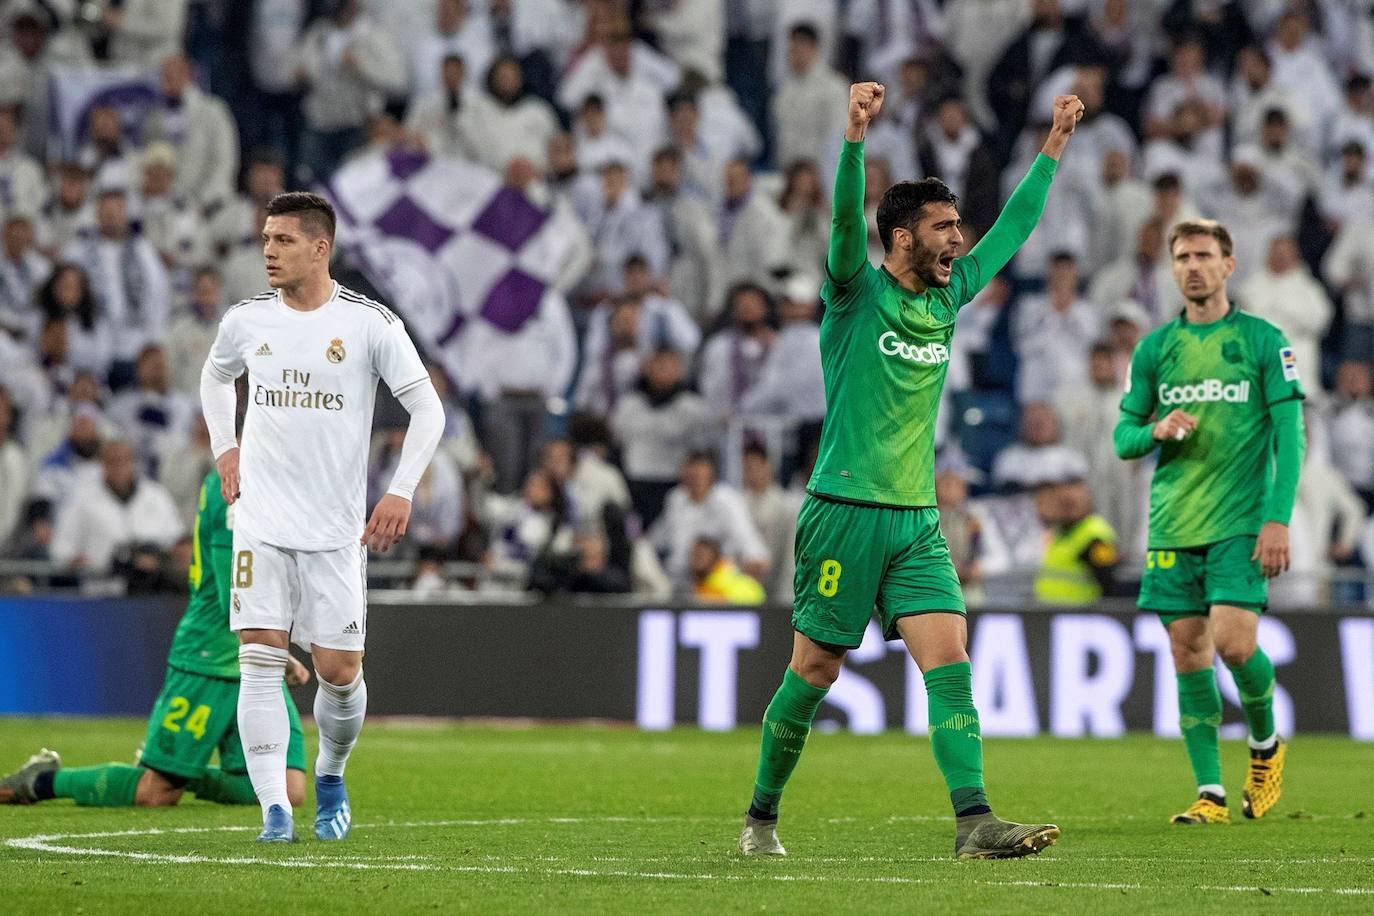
point(1213, 789)
point(1264, 745)
point(339, 715)
point(263, 724)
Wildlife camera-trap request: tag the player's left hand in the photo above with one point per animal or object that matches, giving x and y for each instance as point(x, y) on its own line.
point(1271, 549)
point(1068, 110)
point(296, 673)
point(388, 522)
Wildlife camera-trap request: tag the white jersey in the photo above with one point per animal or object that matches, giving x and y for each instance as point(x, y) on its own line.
point(312, 384)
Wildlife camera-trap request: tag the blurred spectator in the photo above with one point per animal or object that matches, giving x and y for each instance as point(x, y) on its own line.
point(1285, 164)
point(691, 233)
point(143, 32)
point(1254, 93)
point(807, 208)
point(959, 520)
point(1039, 455)
point(456, 31)
point(620, 224)
point(459, 440)
point(22, 271)
point(586, 568)
point(69, 212)
point(1120, 489)
point(951, 149)
point(67, 297)
point(725, 128)
point(22, 188)
point(658, 425)
point(130, 282)
point(236, 221)
point(46, 431)
point(1187, 146)
point(1286, 293)
point(716, 579)
point(752, 230)
point(808, 108)
point(1052, 332)
point(702, 507)
point(1346, 193)
point(106, 150)
point(790, 383)
point(183, 469)
point(33, 45)
point(170, 222)
point(1145, 277)
point(692, 33)
point(155, 418)
point(349, 67)
point(193, 329)
point(515, 122)
point(1123, 203)
point(1081, 557)
point(1333, 512)
point(773, 511)
point(1301, 67)
point(1355, 120)
point(1067, 221)
point(516, 377)
point(1254, 208)
point(1351, 423)
point(702, 163)
point(611, 356)
point(524, 527)
point(595, 144)
point(14, 472)
point(595, 482)
point(1348, 266)
point(437, 509)
point(1050, 40)
point(1186, 81)
point(733, 358)
point(199, 127)
point(631, 79)
point(112, 513)
point(451, 120)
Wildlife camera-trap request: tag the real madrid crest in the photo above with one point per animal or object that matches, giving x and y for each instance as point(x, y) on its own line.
point(335, 353)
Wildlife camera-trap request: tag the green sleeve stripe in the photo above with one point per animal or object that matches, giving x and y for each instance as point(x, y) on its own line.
point(845, 282)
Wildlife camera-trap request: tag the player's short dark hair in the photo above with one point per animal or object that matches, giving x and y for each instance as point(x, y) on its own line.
point(806, 31)
point(315, 213)
point(903, 203)
point(1209, 227)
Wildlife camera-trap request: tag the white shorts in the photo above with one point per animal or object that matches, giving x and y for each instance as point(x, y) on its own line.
point(318, 596)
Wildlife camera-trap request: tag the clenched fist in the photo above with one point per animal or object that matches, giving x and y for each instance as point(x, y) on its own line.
point(864, 101)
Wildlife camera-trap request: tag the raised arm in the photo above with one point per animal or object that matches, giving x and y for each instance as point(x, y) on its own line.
point(1018, 218)
point(848, 231)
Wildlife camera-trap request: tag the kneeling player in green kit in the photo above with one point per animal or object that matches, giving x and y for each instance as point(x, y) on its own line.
point(196, 712)
point(868, 532)
point(1217, 392)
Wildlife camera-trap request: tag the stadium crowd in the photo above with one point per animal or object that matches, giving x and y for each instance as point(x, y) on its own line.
point(655, 435)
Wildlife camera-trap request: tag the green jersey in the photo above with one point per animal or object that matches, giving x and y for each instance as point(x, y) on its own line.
point(1218, 482)
point(885, 349)
point(203, 643)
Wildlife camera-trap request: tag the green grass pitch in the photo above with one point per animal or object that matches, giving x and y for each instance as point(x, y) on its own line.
point(551, 819)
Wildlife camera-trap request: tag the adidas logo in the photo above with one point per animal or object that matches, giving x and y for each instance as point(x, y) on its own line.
point(264, 350)
point(351, 628)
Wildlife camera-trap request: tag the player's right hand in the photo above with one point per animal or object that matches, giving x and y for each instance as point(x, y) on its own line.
point(1178, 424)
point(865, 99)
point(228, 465)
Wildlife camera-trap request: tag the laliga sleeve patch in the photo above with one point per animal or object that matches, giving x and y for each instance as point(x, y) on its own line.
point(1289, 362)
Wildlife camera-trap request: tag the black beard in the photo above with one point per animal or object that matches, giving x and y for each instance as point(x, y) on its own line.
point(922, 262)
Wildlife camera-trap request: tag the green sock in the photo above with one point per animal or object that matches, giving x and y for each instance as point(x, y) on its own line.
point(223, 788)
point(955, 736)
point(786, 723)
point(1199, 715)
point(1255, 681)
point(110, 785)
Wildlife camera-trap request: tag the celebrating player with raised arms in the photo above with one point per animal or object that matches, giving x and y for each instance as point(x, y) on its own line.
point(868, 533)
point(313, 351)
point(1217, 392)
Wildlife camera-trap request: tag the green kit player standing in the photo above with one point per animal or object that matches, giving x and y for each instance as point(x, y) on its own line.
point(196, 711)
point(1217, 392)
point(868, 533)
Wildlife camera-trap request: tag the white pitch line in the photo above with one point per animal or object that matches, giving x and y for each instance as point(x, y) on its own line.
point(45, 843)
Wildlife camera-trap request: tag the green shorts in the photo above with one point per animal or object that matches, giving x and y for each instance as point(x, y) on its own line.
point(1188, 582)
point(196, 715)
point(852, 558)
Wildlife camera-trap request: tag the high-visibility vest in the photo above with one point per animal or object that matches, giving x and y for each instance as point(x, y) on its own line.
point(728, 584)
point(1065, 577)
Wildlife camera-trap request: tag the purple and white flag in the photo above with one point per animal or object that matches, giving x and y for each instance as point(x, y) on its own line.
point(449, 244)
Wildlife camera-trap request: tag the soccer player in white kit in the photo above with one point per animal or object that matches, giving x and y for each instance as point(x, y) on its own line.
point(313, 351)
